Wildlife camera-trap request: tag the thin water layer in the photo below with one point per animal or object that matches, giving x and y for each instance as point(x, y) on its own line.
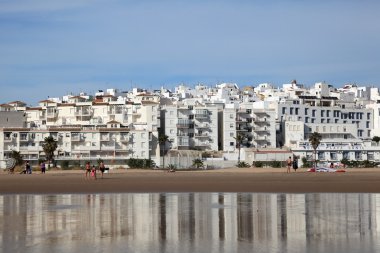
point(190, 222)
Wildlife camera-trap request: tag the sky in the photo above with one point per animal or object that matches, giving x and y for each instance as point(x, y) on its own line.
point(50, 48)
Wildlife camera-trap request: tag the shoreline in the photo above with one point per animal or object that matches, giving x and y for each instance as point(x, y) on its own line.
point(260, 180)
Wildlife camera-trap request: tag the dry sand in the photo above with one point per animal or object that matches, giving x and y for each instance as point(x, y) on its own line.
point(224, 180)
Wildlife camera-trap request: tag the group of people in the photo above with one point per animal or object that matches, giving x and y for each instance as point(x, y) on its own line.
point(28, 168)
point(91, 171)
point(291, 163)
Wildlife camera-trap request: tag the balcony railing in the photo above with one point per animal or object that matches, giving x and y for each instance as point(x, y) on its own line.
point(201, 135)
point(183, 125)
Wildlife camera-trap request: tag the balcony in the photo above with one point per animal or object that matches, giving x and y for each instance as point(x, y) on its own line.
point(76, 138)
point(107, 147)
point(201, 135)
point(260, 138)
point(104, 138)
point(201, 116)
point(8, 139)
point(113, 112)
point(31, 148)
point(125, 138)
point(202, 126)
point(24, 138)
point(241, 120)
point(50, 115)
point(260, 129)
point(183, 125)
point(242, 129)
point(83, 112)
point(260, 112)
point(202, 144)
point(243, 111)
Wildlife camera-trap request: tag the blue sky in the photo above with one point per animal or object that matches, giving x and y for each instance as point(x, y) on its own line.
point(53, 47)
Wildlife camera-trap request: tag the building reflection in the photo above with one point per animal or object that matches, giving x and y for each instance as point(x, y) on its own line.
point(186, 222)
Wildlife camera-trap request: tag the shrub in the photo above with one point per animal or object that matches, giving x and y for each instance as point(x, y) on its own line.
point(198, 163)
point(140, 163)
point(172, 167)
point(258, 164)
point(275, 164)
point(243, 165)
point(306, 163)
point(65, 165)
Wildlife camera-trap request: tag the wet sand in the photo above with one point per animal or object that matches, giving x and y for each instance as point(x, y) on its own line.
point(223, 180)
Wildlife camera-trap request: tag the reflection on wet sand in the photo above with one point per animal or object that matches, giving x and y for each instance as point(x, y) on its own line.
point(190, 222)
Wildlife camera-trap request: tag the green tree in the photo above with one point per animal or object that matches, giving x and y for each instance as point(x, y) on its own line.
point(376, 139)
point(239, 140)
point(198, 163)
point(162, 140)
point(315, 139)
point(345, 161)
point(49, 146)
point(17, 156)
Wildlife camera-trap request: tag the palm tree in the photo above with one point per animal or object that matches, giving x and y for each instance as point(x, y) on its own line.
point(49, 146)
point(162, 139)
point(315, 139)
point(239, 139)
point(376, 139)
point(17, 156)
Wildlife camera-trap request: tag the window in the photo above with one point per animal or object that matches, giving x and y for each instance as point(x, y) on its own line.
point(322, 113)
point(171, 113)
point(367, 124)
point(328, 120)
point(306, 119)
point(368, 115)
point(336, 120)
point(231, 116)
point(232, 125)
point(232, 143)
point(143, 144)
point(312, 120)
point(328, 113)
point(297, 110)
point(291, 110)
point(313, 113)
point(231, 134)
point(306, 110)
point(322, 120)
point(172, 131)
point(283, 110)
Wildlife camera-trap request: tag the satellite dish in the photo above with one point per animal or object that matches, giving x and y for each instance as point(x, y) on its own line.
point(10, 164)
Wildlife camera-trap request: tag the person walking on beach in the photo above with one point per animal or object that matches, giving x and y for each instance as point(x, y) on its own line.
point(289, 164)
point(102, 168)
point(93, 171)
point(88, 169)
point(295, 164)
point(43, 167)
point(28, 168)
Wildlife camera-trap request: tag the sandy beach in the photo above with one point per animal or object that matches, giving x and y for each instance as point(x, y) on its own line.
point(223, 180)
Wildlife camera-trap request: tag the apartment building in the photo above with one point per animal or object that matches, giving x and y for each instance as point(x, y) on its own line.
point(104, 127)
point(255, 122)
point(191, 126)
